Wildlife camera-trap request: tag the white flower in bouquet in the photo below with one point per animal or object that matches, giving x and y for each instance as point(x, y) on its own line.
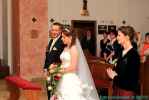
point(48, 79)
point(53, 78)
point(49, 88)
point(52, 71)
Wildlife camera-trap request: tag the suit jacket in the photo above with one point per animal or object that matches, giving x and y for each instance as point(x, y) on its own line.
point(89, 44)
point(53, 55)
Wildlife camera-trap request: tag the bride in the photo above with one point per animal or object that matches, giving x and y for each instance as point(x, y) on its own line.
point(76, 82)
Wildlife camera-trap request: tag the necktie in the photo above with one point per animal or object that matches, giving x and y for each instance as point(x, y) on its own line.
point(50, 44)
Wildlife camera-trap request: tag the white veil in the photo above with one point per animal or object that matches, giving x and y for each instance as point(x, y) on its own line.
point(85, 74)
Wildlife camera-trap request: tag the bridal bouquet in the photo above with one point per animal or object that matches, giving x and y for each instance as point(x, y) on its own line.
point(53, 78)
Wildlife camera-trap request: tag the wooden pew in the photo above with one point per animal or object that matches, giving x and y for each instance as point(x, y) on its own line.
point(145, 79)
point(4, 71)
point(30, 90)
point(141, 78)
point(98, 70)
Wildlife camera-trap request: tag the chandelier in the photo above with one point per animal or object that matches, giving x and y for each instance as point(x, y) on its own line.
point(84, 11)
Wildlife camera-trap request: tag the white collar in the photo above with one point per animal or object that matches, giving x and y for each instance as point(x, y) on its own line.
point(126, 50)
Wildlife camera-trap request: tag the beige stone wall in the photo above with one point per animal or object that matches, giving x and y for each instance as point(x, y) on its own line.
point(29, 37)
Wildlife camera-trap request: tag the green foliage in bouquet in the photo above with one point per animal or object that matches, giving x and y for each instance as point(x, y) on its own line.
point(54, 76)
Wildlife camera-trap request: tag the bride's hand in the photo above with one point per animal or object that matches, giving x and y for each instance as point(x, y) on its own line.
point(52, 66)
point(62, 70)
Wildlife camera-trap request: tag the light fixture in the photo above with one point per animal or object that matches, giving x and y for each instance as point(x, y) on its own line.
point(84, 11)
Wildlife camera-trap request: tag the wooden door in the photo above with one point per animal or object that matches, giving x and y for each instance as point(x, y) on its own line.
point(15, 38)
point(81, 27)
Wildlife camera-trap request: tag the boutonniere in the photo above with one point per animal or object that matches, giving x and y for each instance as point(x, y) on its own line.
point(54, 48)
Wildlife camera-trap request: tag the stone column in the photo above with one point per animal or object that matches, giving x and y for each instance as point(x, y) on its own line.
point(29, 36)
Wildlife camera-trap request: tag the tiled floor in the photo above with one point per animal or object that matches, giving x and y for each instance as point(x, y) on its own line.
point(4, 94)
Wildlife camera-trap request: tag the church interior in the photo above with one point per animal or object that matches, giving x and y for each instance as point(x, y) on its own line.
point(24, 26)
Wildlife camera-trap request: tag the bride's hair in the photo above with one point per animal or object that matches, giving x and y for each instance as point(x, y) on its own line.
point(69, 32)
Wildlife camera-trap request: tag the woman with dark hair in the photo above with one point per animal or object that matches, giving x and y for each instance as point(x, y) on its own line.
point(113, 49)
point(125, 74)
point(103, 44)
point(76, 82)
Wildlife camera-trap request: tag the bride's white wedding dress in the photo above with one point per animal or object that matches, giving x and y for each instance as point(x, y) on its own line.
point(71, 86)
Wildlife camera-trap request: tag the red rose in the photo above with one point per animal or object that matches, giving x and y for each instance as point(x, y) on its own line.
point(57, 77)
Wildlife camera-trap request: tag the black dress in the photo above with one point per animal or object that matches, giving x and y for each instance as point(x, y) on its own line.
point(116, 47)
point(127, 69)
point(103, 46)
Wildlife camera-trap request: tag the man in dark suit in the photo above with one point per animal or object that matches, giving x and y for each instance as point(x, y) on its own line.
point(54, 48)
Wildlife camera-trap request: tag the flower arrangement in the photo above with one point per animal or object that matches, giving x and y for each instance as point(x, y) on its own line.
point(53, 78)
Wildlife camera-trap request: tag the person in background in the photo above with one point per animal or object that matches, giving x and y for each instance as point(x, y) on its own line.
point(88, 42)
point(125, 74)
point(113, 48)
point(54, 48)
point(138, 39)
point(144, 51)
point(103, 43)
